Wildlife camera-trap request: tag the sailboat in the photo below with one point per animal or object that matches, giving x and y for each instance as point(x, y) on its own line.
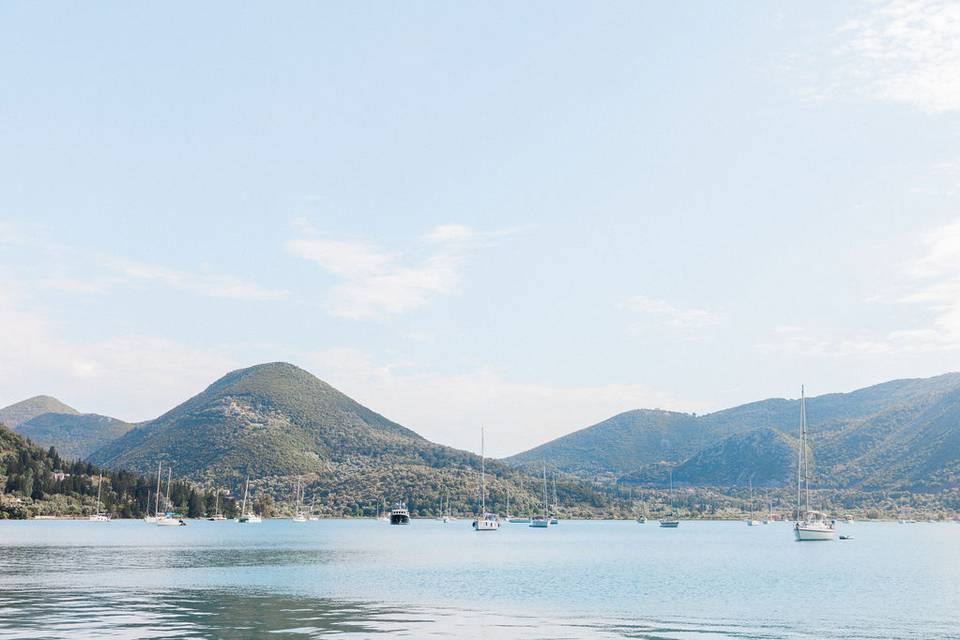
point(299, 515)
point(156, 507)
point(247, 516)
point(217, 516)
point(812, 525)
point(484, 521)
point(519, 519)
point(671, 521)
point(99, 517)
point(168, 519)
point(313, 517)
point(542, 521)
point(769, 515)
point(751, 521)
point(556, 508)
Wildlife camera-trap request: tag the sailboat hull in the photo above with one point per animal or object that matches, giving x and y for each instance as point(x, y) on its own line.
point(812, 533)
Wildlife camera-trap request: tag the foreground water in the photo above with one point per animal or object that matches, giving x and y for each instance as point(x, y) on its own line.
point(78, 579)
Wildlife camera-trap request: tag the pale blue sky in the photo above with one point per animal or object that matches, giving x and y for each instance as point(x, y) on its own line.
point(528, 216)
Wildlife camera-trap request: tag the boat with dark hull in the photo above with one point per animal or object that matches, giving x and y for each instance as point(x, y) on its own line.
point(399, 514)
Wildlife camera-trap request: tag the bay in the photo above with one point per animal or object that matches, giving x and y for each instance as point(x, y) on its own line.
point(580, 579)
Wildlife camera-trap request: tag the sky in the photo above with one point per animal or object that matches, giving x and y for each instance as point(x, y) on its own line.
point(523, 216)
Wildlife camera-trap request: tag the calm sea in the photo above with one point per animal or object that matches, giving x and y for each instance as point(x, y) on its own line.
point(576, 580)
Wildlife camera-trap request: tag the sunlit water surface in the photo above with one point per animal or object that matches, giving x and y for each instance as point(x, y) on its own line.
point(576, 580)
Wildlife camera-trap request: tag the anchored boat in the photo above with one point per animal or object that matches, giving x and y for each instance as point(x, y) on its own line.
point(813, 525)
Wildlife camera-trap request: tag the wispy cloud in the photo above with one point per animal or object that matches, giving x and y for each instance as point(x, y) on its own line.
point(905, 51)
point(214, 285)
point(82, 271)
point(376, 282)
point(106, 376)
point(930, 281)
point(665, 313)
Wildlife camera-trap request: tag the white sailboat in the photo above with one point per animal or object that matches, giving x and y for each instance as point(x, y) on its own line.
point(519, 519)
point(752, 521)
point(810, 525)
point(484, 521)
point(217, 516)
point(542, 521)
point(98, 516)
point(247, 516)
point(671, 521)
point(556, 508)
point(299, 515)
point(156, 507)
point(168, 519)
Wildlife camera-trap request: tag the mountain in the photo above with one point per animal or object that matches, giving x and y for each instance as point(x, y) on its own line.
point(270, 419)
point(766, 457)
point(276, 422)
point(619, 444)
point(74, 435)
point(901, 434)
point(20, 412)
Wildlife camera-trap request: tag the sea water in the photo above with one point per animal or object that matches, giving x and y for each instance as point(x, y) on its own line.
point(579, 579)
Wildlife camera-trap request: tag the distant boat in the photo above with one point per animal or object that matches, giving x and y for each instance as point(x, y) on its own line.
point(542, 521)
point(247, 516)
point(217, 516)
point(99, 517)
point(671, 521)
point(298, 499)
point(520, 520)
point(812, 525)
point(156, 507)
point(168, 518)
point(484, 521)
point(556, 509)
point(399, 514)
point(752, 521)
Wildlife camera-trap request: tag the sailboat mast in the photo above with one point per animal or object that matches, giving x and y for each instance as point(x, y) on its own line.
point(483, 488)
point(800, 453)
point(99, 486)
point(556, 511)
point(545, 508)
point(156, 507)
point(246, 488)
point(806, 459)
point(169, 479)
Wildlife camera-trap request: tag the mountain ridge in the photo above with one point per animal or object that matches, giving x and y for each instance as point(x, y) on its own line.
point(19, 412)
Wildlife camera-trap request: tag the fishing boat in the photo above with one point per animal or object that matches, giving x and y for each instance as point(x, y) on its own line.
point(542, 521)
point(299, 516)
point(810, 525)
point(98, 516)
point(399, 514)
point(485, 521)
point(247, 516)
point(671, 521)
